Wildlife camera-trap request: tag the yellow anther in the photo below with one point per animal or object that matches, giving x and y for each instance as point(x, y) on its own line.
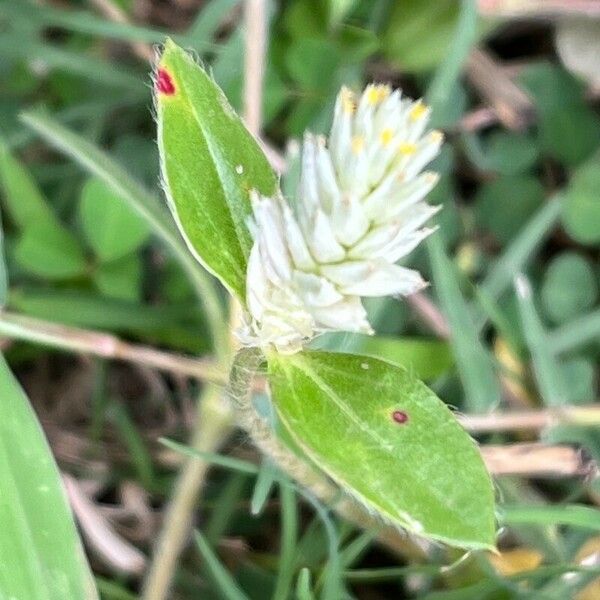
point(407, 148)
point(357, 144)
point(386, 136)
point(418, 110)
point(377, 93)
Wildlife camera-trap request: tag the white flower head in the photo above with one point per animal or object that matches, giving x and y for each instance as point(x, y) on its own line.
point(360, 209)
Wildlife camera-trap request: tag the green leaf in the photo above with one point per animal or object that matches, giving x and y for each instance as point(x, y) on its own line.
point(50, 251)
point(209, 164)
point(120, 279)
point(426, 359)
point(569, 287)
point(40, 553)
point(504, 204)
point(581, 211)
point(424, 474)
point(110, 225)
point(511, 153)
point(23, 199)
point(418, 33)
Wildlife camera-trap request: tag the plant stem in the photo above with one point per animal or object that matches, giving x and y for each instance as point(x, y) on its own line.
point(106, 345)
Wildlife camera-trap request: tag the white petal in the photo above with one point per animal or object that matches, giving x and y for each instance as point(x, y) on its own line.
point(316, 291)
point(323, 245)
point(374, 278)
point(270, 226)
point(295, 240)
point(348, 220)
point(405, 244)
point(347, 315)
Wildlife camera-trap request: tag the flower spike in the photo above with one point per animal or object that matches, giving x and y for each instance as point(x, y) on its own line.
point(360, 209)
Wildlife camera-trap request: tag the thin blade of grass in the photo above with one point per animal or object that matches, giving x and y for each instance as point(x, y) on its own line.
point(575, 515)
point(262, 488)
point(448, 72)
point(546, 369)
point(289, 537)
point(234, 464)
point(333, 588)
point(519, 252)
point(575, 333)
point(225, 582)
point(3, 271)
point(225, 505)
point(136, 447)
point(303, 587)
point(75, 63)
point(474, 364)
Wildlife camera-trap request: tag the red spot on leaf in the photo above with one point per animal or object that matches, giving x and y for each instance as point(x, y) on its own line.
point(164, 83)
point(400, 417)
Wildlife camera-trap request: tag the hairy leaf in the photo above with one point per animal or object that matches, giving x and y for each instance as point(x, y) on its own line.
point(384, 437)
point(210, 162)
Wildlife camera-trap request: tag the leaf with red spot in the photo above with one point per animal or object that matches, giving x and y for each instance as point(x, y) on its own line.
point(389, 441)
point(209, 164)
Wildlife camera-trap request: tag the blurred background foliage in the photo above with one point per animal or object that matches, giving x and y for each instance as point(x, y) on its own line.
point(521, 192)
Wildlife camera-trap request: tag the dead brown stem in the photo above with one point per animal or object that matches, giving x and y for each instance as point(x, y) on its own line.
point(511, 104)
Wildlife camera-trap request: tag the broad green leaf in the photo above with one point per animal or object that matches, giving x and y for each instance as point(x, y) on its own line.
point(386, 439)
point(41, 556)
point(120, 279)
point(209, 164)
point(110, 225)
point(581, 210)
point(50, 251)
point(569, 287)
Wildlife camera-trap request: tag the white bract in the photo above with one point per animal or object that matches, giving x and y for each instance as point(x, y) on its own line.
point(360, 209)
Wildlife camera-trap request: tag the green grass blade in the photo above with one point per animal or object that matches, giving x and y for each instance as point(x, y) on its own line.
point(225, 582)
point(574, 515)
point(3, 271)
point(74, 63)
point(235, 464)
point(547, 371)
point(474, 364)
point(289, 537)
point(262, 488)
point(521, 249)
point(575, 333)
point(303, 591)
point(134, 442)
point(97, 162)
point(448, 72)
point(40, 553)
